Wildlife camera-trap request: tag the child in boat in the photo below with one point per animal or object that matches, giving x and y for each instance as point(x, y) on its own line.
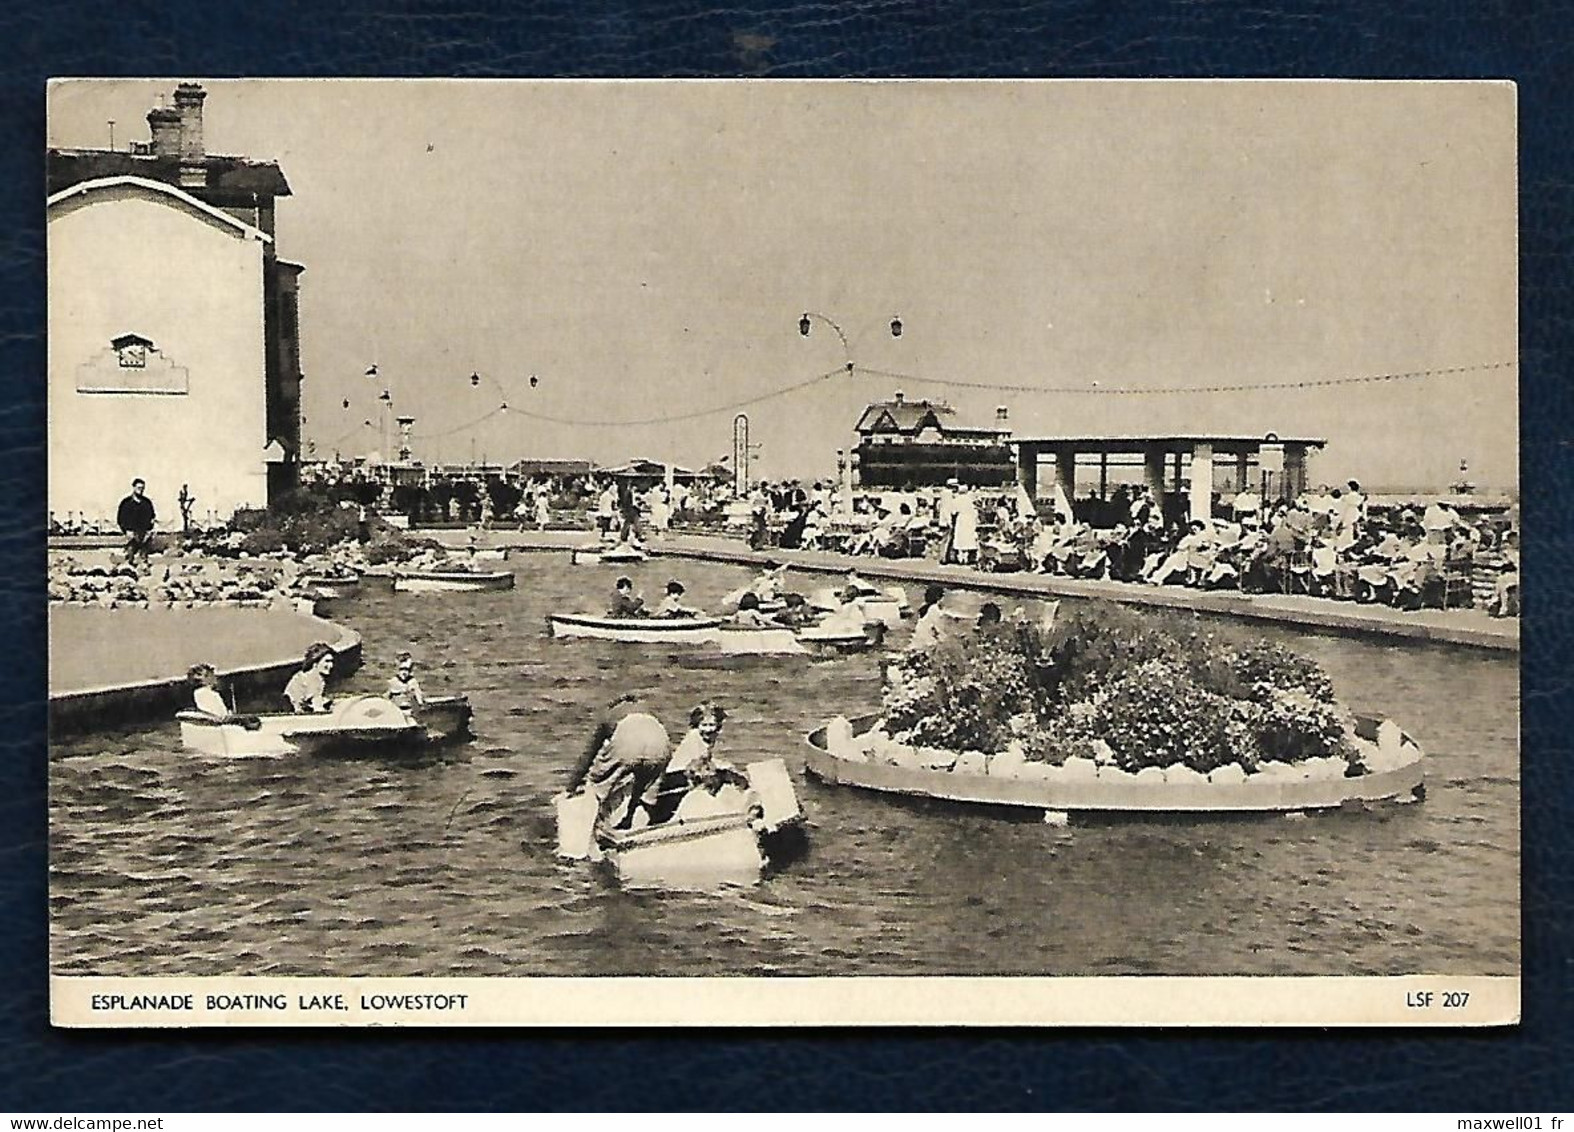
point(750, 617)
point(308, 688)
point(847, 619)
point(715, 786)
point(767, 585)
point(404, 689)
point(672, 605)
point(205, 692)
point(625, 602)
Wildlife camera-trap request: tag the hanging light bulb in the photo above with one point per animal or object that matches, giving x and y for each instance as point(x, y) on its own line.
point(387, 396)
point(534, 381)
point(475, 380)
point(803, 325)
point(503, 408)
point(346, 402)
point(896, 327)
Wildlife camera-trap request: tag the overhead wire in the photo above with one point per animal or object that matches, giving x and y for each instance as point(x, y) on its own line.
point(1000, 387)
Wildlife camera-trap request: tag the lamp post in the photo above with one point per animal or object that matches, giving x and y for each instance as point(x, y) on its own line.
point(476, 380)
point(806, 325)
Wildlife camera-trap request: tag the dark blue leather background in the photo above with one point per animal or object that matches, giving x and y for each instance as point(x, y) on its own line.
point(1531, 41)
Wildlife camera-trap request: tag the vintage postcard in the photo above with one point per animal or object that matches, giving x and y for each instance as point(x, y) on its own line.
point(783, 553)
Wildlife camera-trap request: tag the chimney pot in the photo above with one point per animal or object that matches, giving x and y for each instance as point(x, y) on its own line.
point(1001, 414)
point(164, 125)
point(193, 154)
point(898, 396)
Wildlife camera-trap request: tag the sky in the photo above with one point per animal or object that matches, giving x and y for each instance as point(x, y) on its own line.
point(646, 249)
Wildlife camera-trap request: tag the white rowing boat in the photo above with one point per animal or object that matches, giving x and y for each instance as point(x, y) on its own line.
point(356, 723)
point(326, 586)
point(710, 842)
point(713, 632)
point(638, 630)
point(452, 581)
point(614, 555)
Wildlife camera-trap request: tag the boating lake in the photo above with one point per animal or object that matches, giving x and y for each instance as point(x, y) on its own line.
point(167, 863)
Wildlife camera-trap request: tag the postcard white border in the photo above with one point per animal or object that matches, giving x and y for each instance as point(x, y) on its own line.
point(1411, 1000)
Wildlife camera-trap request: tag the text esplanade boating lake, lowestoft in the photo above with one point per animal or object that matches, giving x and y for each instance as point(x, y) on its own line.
point(168, 862)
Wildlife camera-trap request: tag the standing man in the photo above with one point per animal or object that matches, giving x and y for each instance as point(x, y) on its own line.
point(135, 519)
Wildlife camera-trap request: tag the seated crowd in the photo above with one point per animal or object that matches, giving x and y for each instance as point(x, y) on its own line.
point(1325, 543)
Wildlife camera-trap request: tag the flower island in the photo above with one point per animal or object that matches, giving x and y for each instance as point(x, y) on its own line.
point(1105, 709)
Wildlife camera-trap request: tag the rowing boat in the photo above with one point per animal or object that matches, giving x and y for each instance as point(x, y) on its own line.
point(840, 753)
point(452, 581)
point(617, 555)
point(356, 723)
point(325, 586)
point(638, 630)
point(729, 639)
point(730, 838)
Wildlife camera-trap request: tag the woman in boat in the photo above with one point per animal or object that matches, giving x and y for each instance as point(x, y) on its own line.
point(307, 689)
point(404, 689)
point(205, 692)
point(672, 604)
point(623, 763)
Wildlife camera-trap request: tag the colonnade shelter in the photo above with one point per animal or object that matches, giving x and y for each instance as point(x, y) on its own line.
point(1195, 468)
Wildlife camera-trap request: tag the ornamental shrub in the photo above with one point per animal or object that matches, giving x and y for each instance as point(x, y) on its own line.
point(1094, 643)
point(1289, 725)
point(1156, 715)
point(960, 696)
point(1258, 669)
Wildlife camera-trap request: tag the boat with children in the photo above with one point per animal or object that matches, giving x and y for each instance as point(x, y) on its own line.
point(729, 837)
point(356, 724)
point(861, 754)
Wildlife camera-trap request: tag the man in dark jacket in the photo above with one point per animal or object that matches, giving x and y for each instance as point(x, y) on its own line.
point(135, 519)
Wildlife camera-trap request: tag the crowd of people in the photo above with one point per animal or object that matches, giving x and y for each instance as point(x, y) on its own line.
point(1329, 543)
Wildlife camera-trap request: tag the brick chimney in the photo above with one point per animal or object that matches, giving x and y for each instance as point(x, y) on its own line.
point(164, 124)
point(193, 157)
point(898, 397)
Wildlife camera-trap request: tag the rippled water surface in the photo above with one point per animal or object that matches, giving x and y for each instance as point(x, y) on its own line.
point(165, 862)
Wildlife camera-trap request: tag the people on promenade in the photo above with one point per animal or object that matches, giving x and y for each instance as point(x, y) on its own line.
point(136, 517)
point(404, 689)
point(307, 691)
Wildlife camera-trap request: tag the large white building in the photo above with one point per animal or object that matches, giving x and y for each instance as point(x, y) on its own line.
point(173, 327)
point(156, 351)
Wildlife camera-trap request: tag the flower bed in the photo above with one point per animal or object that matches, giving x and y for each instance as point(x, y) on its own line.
point(1112, 693)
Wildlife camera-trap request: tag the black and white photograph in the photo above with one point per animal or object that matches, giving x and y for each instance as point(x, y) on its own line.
point(792, 552)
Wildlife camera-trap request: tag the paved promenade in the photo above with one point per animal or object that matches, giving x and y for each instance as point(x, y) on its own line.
point(1470, 627)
